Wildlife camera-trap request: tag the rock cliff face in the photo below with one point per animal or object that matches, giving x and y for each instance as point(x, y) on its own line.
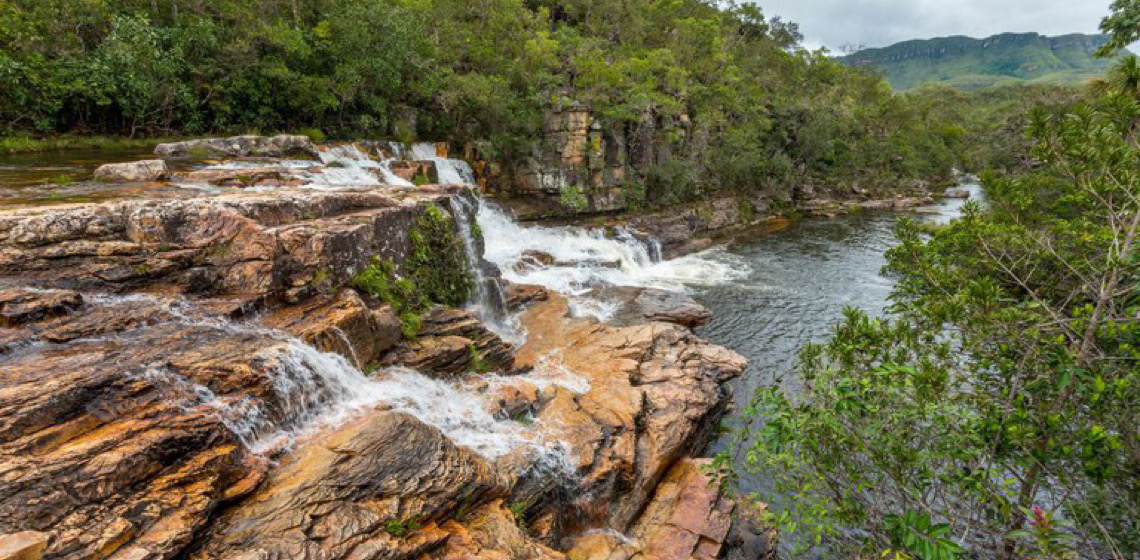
point(184, 378)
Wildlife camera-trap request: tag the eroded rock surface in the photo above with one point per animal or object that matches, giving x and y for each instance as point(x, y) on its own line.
point(375, 488)
point(286, 245)
point(154, 402)
point(133, 172)
point(655, 391)
point(281, 146)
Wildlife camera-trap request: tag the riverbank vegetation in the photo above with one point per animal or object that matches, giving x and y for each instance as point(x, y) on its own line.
point(726, 91)
point(993, 413)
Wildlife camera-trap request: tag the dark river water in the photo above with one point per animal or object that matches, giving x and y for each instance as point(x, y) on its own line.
point(801, 280)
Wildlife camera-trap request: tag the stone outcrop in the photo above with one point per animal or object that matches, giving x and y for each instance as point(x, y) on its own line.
point(286, 245)
point(165, 396)
point(282, 146)
point(957, 193)
point(689, 518)
point(655, 391)
point(375, 488)
point(239, 178)
point(133, 172)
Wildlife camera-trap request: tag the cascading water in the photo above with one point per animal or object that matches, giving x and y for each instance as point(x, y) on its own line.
point(488, 299)
point(450, 171)
point(314, 390)
point(587, 259)
point(347, 165)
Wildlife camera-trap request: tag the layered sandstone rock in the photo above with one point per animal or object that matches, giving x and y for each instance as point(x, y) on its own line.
point(287, 245)
point(375, 488)
point(133, 172)
point(655, 391)
point(281, 146)
point(138, 420)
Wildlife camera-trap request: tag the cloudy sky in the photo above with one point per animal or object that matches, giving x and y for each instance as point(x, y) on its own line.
point(877, 23)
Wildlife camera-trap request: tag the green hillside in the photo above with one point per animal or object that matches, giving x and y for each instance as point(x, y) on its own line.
point(971, 64)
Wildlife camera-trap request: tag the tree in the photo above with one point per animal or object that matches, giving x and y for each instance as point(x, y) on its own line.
point(1124, 26)
point(997, 410)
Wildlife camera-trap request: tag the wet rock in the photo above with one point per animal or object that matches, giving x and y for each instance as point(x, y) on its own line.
point(23, 305)
point(533, 260)
point(343, 324)
point(133, 172)
point(442, 355)
point(239, 178)
point(281, 146)
point(109, 445)
point(453, 341)
point(374, 488)
point(25, 545)
point(641, 305)
point(655, 393)
point(521, 295)
point(957, 193)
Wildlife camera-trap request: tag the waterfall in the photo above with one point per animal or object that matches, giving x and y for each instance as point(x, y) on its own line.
point(347, 165)
point(585, 259)
point(488, 300)
point(313, 390)
point(449, 171)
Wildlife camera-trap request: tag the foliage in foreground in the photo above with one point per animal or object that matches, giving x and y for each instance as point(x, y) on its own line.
point(996, 412)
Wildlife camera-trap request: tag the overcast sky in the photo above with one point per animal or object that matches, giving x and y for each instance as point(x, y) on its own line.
point(878, 23)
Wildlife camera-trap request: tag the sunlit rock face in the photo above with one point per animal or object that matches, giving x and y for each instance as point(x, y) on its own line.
point(184, 377)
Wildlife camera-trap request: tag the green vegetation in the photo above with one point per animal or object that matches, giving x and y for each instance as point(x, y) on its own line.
point(25, 143)
point(994, 413)
point(717, 96)
point(1003, 60)
point(435, 272)
point(401, 528)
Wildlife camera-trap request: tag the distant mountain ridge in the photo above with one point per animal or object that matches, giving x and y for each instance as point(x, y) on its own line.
point(968, 63)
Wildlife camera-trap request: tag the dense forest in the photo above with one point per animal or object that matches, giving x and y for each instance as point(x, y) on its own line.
point(758, 109)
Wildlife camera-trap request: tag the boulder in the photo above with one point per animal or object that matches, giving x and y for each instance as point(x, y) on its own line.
point(281, 146)
point(377, 487)
point(641, 305)
point(957, 193)
point(133, 172)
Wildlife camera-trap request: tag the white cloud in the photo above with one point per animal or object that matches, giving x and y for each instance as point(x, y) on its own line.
point(877, 23)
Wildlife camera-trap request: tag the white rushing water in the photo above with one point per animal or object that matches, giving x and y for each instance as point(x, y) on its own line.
point(488, 300)
point(347, 165)
point(315, 390)
point(586, 259)
point(450, 171)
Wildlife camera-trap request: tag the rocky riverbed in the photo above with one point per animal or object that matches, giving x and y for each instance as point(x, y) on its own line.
point(203, 375)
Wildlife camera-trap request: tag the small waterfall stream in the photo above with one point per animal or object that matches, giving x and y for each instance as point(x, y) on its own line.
point(313, 390)
point(346, 164)
point(583, 260)
point(488, 300)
